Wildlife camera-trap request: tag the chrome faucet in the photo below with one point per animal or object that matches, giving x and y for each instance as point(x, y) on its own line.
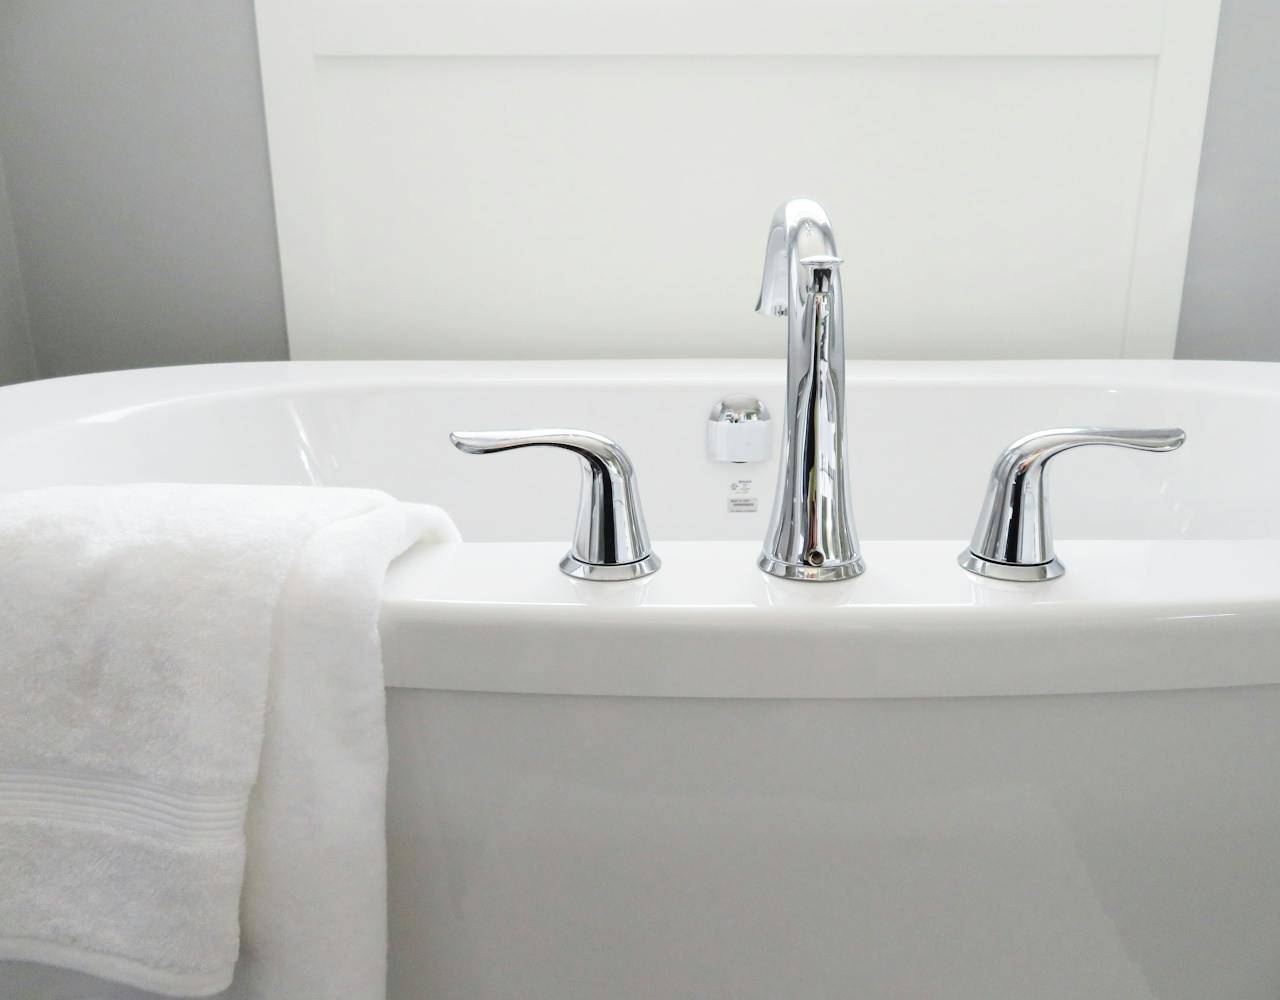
point(611, 541)
point(1013, 540)
point(811, 535)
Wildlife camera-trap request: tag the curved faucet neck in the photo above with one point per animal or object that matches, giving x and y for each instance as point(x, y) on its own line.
point(811, 536)
point(800, 229)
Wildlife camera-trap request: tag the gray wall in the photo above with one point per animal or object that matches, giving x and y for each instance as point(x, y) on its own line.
point(17, 357)
point(1231, 299)
point(134, 144)
point(135, 151)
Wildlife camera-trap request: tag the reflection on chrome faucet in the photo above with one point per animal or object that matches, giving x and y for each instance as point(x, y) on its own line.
point(811, 535)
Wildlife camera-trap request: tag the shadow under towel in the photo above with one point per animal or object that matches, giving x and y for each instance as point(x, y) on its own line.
point(193, 741)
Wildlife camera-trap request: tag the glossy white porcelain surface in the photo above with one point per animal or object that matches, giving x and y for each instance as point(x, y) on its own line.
point(1110, 847)
point(710, 783)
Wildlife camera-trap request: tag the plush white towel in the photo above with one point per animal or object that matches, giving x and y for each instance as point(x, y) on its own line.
point(184, 669)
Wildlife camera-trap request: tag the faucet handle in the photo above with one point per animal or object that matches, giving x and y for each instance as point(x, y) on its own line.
point(610, 541)
point(1014, 538)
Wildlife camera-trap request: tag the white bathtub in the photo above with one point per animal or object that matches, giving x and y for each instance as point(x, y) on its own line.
point(712, 783)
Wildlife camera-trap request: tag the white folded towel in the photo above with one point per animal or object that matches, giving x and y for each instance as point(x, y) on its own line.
point(182, 668)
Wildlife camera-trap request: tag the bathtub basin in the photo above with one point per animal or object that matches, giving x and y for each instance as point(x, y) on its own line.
point(713, 783)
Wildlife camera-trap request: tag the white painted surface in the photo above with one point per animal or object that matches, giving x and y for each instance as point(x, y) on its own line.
point(595, 180)
point(710, 783)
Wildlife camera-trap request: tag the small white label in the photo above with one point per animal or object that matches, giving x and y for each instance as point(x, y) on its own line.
point(741, 498)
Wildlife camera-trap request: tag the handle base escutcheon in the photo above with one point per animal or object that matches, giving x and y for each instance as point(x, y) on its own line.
point(1013, 572)
point(609, 572)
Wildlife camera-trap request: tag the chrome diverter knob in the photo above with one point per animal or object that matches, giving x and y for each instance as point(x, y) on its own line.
point(1014, 538)
point(611, 541)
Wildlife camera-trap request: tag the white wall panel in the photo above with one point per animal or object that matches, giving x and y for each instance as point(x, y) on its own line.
point(585, 179)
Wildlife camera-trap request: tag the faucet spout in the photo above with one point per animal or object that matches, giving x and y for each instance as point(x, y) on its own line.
point(811, 534)
point(800, 229)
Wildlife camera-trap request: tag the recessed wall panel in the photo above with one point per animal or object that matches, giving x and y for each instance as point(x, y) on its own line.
point(1017, 190)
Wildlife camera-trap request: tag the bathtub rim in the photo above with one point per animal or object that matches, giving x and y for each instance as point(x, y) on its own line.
point(36, 408)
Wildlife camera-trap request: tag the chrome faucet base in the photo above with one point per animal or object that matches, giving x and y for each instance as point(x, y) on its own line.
point(826, 573)
point(1014, 572)
point(811, 534)
point(611, 572)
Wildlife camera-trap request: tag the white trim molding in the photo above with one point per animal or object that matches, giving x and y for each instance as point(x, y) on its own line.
point(1053, 220)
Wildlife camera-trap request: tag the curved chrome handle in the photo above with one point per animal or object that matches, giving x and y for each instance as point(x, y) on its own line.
point(610, 541)
point(1014, 537)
